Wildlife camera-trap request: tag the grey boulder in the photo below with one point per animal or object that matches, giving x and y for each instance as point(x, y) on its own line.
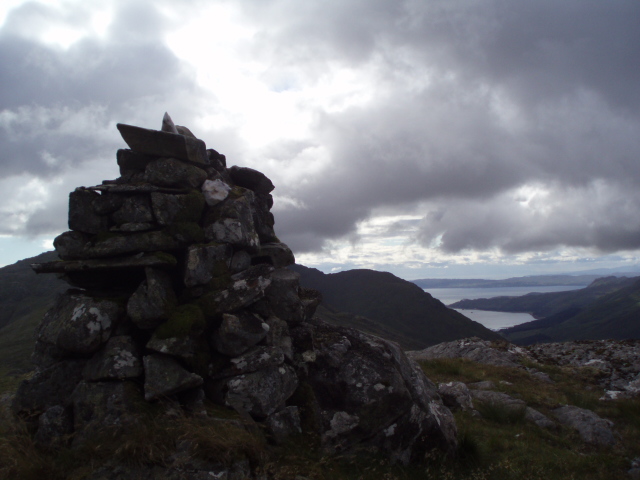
point(456, 396)
point(153, 301)
point(117, 360)
point(78, 323)
point(170, 172)
point(592, 429)
point(370, 394)
point(238, 333)
point(263, 392)
point(164, 376)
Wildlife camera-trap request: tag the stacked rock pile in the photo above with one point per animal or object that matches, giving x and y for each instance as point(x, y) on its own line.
point(181, 293)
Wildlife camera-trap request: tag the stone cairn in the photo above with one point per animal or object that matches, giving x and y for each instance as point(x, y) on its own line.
point(180, 293)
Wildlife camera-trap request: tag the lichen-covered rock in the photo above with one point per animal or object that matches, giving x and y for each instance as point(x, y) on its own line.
point(82, 215)
point(371, 394)
point(118, 359)
point(498, 398)
point(98, 406)
point(277, 254)
point(165, 376)
point(204, 262)
point(171, 208)
point(153, 301)
point(283, 424)
point(75, 245)
point(240, 261)
point(54, 427)
point(135, 209)
point(257, 358)
point(78, 323)
point(513, 405)
point(238, 333)
point(263, 392)
point(279, 336)
point(592, 429)
point(181, 336)
point(456, 396)
point(283, 296)
point(534, 416)
point(232, 221)
point(48, 388)
point(169, 172)
point(245, 288)
point(476, 349)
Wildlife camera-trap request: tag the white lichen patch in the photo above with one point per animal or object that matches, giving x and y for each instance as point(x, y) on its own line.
point(78, 312)
point(102, 318)
point(240, 285)
point(239, 363)
point(341, 423)
point(309, 356)
point(124, 359)
point(390, 431)
point(378, 387)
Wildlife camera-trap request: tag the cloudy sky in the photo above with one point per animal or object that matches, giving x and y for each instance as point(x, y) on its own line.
point(430, 138)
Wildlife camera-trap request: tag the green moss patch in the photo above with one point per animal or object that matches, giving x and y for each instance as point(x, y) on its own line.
point(182, 321)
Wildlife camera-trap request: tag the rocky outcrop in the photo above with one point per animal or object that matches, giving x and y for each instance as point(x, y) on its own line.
point(617, 361)
point(500, 353)
point(181, 292)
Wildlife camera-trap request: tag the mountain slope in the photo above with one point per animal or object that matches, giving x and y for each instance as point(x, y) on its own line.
point(530, 281)
point(545, 304)
point(615, 315)
point(22, 291)
point(416, 318)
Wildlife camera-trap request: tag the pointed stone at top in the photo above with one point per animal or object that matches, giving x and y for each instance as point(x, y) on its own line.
point(168, 125)
point(164, 144)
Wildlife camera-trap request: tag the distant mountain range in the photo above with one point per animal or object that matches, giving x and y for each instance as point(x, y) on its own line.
point(529, 281)
point(608, 308)
point(385, 305)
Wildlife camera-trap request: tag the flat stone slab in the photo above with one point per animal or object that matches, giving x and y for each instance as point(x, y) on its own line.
point(141, 188)
point(163, 144)
point(106, 264)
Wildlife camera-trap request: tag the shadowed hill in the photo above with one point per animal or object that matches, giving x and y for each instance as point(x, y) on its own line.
point(22, 291)
point(615, 315)
point(416, 318)
point(545, 304)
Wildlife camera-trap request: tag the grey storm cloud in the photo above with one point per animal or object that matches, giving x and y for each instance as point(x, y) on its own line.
point(97, 81)
point(517, 93)
point(470, 102)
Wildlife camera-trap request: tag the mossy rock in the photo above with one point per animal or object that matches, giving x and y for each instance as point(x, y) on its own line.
point(182, 321)
point(166, 257)
point(186, 232)
point(104, 236)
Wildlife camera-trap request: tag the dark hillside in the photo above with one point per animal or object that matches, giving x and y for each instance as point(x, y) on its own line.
point(612, 316)
point(545, 304)
point(22, 291)
point(394, 304)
